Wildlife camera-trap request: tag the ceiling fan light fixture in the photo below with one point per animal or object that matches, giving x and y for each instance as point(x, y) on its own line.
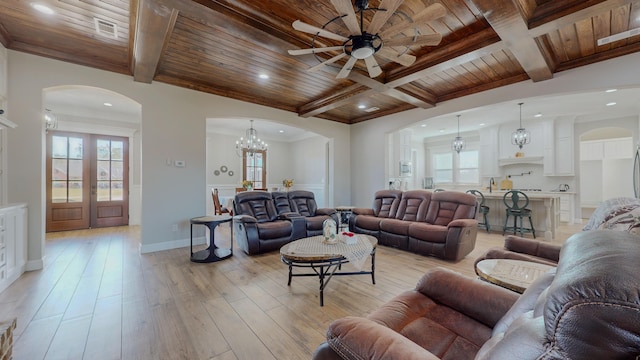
point(362, 46)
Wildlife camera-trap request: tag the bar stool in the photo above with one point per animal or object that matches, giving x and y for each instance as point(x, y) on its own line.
point(516, 203)
point(482, 208)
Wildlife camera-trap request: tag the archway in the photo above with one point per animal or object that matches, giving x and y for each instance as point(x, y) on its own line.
point(99, 112)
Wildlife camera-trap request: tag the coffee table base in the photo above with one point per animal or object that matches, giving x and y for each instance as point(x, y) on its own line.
point(326, 269)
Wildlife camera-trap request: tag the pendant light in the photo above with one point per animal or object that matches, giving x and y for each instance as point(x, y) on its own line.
point(458, 143)
point(521, 136)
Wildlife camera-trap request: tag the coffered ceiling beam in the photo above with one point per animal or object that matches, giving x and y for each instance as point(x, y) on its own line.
point(5, 38)
point(577, 16)
point(513, 29)
point(381, 88)
point(345, 96)
point(153, 29)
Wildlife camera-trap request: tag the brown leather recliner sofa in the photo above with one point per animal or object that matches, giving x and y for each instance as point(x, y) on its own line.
point(440, 224)
point(265, 221)
point(587, 308)
point(519, 248)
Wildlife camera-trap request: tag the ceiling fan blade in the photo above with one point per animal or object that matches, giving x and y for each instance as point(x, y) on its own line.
point(330, 61)
point(304, 27)
point(345, 9)
point(404, 59)
point(432, 12)
point(314, 50)
point(346, 69)
point(372, 66)
point(430, 39)
point(381, 17)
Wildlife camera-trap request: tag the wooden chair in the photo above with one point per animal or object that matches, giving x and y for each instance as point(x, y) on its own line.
point(217, 208)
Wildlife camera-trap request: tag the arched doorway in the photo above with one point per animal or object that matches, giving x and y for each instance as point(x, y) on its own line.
point(92, 176)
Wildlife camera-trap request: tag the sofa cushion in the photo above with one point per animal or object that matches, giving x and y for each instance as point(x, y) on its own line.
point(303, 202)
point(394, 226)
point(413, 205)
point(274, 229)
point(446, 206)
point(281, 202)
point(258, 204)
point(427, 232)
point(368, 222)
point(386, 202)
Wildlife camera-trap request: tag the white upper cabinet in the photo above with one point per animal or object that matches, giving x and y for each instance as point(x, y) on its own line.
point(489, 152)
point(564, 153)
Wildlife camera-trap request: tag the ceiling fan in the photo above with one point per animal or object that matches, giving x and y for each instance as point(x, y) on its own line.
point(363, 43)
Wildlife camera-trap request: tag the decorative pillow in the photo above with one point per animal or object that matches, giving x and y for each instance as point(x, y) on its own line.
point(624, 218)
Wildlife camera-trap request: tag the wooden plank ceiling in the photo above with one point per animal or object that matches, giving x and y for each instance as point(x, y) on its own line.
point(222, 46)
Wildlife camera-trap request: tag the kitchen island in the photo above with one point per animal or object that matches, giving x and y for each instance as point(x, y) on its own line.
point(545, 212)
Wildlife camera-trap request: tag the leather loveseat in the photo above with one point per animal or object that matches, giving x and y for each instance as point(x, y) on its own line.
point(440, 224)
point(265, 221)
point(519, 248)
point(587, 308)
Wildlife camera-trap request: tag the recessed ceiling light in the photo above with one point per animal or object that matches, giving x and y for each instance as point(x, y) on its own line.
point(43, 9)
point(482, 124)
point(108, 104)
point(281, 131)
point(611, 90)
point(423, 125)
point(611, 104)
point(362, 106)
point(538, 115)
point(263, 76)
point(441, 130)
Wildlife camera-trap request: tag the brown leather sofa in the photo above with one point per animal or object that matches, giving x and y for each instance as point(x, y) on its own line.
point(266, 221)
point(440, 224)
point(587, 308)
point(519, 248)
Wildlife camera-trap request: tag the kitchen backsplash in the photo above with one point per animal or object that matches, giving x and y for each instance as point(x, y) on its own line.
point(531, 177)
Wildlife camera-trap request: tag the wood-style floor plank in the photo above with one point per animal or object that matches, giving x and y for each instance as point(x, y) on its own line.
point(97, 298)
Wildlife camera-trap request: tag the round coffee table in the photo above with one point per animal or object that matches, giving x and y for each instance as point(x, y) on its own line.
point(512, 274)
point(325, 259)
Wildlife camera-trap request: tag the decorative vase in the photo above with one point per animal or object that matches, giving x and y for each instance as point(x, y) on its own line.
point(330, 231)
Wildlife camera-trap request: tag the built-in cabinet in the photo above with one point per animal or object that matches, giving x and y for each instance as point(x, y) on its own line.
point(402, 166)
point(567, 205)
point(13, 243)
point(607, 164)
point(489, 153)
point(558, 147)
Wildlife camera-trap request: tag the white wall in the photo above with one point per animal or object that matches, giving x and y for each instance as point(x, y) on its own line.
point(172, 127)
point(368, 173)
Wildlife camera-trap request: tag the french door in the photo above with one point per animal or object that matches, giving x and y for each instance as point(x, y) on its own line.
point(87, 181)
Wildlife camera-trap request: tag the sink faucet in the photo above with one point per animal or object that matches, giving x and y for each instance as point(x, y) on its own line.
point(492, 182)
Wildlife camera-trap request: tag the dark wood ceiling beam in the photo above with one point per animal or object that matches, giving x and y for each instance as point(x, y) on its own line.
point(133, 21)
point(335, 100)
point(154, 26)
point(572, 18)
point(462, 59)
point(552, 10)
point(513, 29)
point(390, 91)
point(5, 37)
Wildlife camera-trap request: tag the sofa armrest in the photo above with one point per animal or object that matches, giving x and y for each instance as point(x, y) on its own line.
point(359, 338)
point(463, 223)
point(245, 229)
point(473, 297)
point(326, 211)
point(362, 211)
point(533, 247)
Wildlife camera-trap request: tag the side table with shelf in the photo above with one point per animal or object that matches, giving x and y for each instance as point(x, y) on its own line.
point(213, 252)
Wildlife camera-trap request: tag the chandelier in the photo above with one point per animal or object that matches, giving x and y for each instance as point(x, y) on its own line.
point(251, 143)
point(458, 143)
point(521, 136)
point(50, 119)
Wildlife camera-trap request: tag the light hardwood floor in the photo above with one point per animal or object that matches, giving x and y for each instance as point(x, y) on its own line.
point(98, 298)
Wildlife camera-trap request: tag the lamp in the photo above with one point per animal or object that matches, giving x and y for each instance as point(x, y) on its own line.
point(458, 143)
point(250, 143)
point(50, 120)
point(521, 136)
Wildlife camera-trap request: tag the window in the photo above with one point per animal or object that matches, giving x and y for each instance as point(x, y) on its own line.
point(459, 169)
point(254, 168)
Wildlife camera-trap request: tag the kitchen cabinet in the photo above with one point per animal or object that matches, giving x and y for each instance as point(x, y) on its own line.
point(13, 243)
point(567, 204)
point(558, 147)
point(489, 153)
point(618, 148)
point(591, 150)
point(402, 153)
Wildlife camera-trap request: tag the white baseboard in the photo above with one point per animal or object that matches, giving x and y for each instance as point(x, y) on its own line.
point(174, 244)
point(33, 265)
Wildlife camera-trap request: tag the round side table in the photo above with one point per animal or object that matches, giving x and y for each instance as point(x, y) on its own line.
point(212, 253)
